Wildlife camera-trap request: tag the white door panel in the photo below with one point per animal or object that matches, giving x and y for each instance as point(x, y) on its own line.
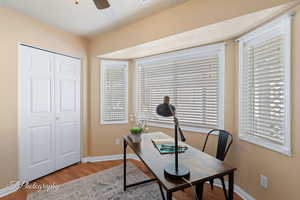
point(67, 93)
point(41, 157)
point(37, 113)
point(50, 112)
point(67, 144)
point(40, 100)
point(40, 146)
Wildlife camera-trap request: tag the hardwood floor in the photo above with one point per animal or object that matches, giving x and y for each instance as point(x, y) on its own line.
point(84, 169)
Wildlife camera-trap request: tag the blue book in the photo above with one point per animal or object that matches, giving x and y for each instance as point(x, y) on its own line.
point(167, 146)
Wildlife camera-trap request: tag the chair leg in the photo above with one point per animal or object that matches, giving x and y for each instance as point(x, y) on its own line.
point(224, 188)
point(211, 184)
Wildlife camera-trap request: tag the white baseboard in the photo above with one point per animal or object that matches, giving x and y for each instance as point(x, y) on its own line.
point(9, 189)
point(242, 193)
point(237, 189)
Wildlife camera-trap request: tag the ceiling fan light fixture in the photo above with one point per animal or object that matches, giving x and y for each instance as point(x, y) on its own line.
point(144, 1)
point(102, 4)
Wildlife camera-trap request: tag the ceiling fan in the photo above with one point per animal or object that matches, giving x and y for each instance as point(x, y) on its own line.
point(100, 4)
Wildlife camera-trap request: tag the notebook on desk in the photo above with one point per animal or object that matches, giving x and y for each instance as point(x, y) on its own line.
point(167, 146)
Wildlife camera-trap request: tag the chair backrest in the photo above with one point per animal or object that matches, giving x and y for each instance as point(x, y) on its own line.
point(225, 140)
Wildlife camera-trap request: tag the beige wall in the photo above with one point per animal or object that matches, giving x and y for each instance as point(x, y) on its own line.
point(190, 15)
point(251, 160)
point(102, 138)
point(16, 28)
point(184, 17)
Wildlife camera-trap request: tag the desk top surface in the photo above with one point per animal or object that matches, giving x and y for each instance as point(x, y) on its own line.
point(202, 166)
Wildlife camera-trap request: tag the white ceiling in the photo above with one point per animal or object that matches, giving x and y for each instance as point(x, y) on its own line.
point(84, 19)
point(221, 31)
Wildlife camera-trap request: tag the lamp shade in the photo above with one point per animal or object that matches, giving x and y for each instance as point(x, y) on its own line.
point(164, 108)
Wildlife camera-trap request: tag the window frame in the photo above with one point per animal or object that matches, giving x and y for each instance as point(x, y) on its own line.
point(281, 25)
point(103, 65)
point(218, 48)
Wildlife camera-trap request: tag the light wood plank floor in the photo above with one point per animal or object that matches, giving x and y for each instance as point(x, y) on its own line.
point(84, 169)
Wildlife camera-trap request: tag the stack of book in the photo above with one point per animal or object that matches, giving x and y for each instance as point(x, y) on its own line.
point(166, 146)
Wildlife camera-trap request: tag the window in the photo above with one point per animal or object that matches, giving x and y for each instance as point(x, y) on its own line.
point(194, 80)
point(114, 92)
point(265, 86)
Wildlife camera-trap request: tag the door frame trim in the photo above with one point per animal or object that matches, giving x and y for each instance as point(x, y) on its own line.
point(42, 49)
point(21, 149)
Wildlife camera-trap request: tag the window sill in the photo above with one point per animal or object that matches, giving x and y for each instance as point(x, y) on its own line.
point(183, 128)
point(109, 123)
point(267, 144)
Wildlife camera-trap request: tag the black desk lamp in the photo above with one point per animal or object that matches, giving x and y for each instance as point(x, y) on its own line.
point(175, 170)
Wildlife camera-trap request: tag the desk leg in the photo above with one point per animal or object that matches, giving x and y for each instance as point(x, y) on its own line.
point(169, 195)
point(199, 190)
point(231, 184)
point(124, 166)
point(161, 191)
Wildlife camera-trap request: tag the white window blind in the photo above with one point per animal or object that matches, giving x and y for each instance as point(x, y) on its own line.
point(194, 81)
point(265, 86)
point(114, 92)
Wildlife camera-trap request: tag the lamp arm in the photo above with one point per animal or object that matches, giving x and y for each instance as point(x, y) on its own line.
point(177, 123)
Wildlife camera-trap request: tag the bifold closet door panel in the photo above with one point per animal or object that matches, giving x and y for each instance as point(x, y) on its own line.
point(67, 105)
point(50, 113)
point(37, 110)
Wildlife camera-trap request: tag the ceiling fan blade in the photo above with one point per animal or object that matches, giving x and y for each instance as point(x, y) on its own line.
point(101, 4)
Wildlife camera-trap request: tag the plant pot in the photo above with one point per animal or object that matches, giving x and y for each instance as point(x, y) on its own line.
point(135, 137)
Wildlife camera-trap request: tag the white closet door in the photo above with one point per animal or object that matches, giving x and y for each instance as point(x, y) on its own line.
point(37, 124)
point(49, 112)
point(67, 105)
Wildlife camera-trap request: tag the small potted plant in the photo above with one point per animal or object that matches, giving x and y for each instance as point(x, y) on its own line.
point(137, 129)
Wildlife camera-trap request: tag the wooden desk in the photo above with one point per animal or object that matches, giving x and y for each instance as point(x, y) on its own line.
point(203, 167)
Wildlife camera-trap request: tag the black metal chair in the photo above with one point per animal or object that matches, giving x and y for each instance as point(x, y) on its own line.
point(225, 140)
